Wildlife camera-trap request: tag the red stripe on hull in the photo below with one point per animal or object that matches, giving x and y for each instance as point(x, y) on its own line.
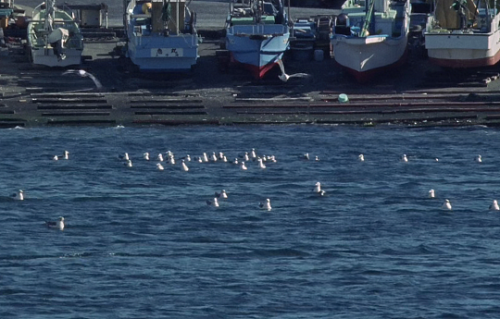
point(465, 64)
point(366, 76)
point(257, 72)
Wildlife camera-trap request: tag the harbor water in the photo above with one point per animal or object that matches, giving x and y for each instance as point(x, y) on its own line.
point(144, 243)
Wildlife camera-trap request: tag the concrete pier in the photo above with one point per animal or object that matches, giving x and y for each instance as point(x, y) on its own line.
point(418, 94)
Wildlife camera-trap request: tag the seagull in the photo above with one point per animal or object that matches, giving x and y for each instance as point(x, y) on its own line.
point(128, 163)
point(205, 157)
point(146, 156)
point(214, 202)
point(243, 166)
point(437, 159)
point(56, 225)
point(361, 157)
point(316, 158)
point(318, 190)
point(159, 167)
point(261, 164)
point(222, 194)
point(85, 74)
point(188, 158)
point(446, 205)
point(214, 157)
point(285, 77)
point(253, 154)
point(432, 194)
point(160, 157)
point(494, 205)
point(479, 159)
point(65, 156)
point(124, 157)
point(171, 160)
point(18, 196)
point(184, 166)
point(404, 158)
point(304, 156)
point(266, 205)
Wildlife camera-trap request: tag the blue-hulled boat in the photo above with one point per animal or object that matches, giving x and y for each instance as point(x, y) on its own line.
point(161, 35)
point(257, 34)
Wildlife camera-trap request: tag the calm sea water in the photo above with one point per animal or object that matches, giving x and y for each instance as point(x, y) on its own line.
point(143, 243)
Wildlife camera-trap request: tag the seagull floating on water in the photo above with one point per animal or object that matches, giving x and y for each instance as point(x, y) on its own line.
point(304, 156)
point(18, 196)
point(318, 190)
point(479, 159)
point(266, 205)
point(432, 194)
point(446, 205)
point(222, 194)
point(185, 168)
point(56, 225)
point(261, 164)
point(146, 156)
point(85, 74)
point(64, 156)
point(160, 157)
point(159, 167)
point(124, 157)
point(404, 158)
point(214, 202)
point(494, 205)
point(128, 163)
point(361, 157)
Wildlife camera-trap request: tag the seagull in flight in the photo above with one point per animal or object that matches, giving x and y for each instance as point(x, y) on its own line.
point(285, 77)
point(85, 74)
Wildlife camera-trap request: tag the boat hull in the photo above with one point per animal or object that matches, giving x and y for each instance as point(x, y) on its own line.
point(45, 56)
point(177, 53)
point(462, 51)
point(364, 57)
point(155, 45)
point(258, 48)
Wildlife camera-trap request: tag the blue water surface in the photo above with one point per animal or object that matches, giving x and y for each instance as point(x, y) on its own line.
point(143, 243)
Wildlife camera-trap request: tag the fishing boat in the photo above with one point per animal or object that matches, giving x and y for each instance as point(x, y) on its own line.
point(463, 34)
point(371, 36)
point(257, 34)
point(53, 37)
point(161, 35)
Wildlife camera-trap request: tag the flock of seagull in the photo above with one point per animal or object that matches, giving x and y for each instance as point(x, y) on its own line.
point(241, 162)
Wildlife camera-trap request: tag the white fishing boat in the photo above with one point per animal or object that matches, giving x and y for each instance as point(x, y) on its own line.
point(463, 34)
point(371, 36)
point(161, 35)
point(54, 38)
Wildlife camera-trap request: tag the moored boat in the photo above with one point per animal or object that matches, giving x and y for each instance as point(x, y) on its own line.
point(463, 34)
point(161, 35)
point(371, 36)
point(54, 38)
point(257, 34)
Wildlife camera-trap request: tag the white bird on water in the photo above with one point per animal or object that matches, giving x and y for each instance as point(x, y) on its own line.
point(361, 157)
point(447, 204)
point(124, 157)
point(128, 163)
point(261, 164)
point(159, 167)
point(404, 158)
point(494, 205)
point(479, 159)
point(19, 195)
point(266, 205)
point(243, 166)
point(56, 225)
point(318, 190)
point(64, 156)
point(214, 202)
point(222, 194)
point(85, 74)
point(146, 156)
point(285, 77)
point(432, 194)
point(185, 168)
